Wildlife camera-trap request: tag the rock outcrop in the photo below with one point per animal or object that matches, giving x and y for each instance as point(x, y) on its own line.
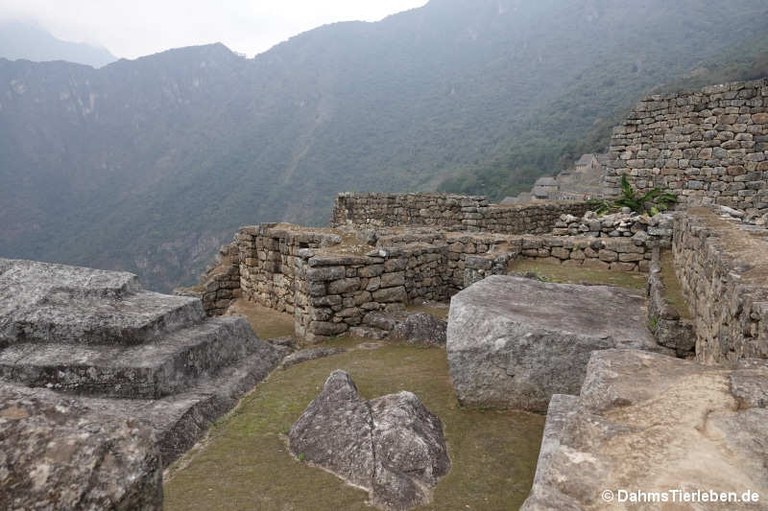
point(56, 453)
point(514, 342)
point(652, 427)
point(391, 446)
point(126, 353)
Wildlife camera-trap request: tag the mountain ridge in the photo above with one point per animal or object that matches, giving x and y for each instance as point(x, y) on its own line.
point(29, 41)
point(149, 165)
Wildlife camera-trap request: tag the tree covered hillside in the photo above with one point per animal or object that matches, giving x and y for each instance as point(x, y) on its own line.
point(149, 165)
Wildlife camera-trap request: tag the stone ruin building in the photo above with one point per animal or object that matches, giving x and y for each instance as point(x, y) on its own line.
point(612, 370)
point(581, 182)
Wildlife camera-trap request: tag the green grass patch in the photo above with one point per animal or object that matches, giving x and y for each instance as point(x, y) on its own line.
point(245, 463)
point(673, 292)
point(266, 322)
point(564, 274)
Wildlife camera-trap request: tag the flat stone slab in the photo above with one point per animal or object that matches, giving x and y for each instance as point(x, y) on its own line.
point(124, 353)
point(514, 342)
point(56, 453)
point(180, 420)
point(147, 371)
point(646, 426)
point(56, 303)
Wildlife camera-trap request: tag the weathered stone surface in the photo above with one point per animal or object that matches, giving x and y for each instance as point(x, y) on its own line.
point(702, 145)
point(336, 431)
point(723, 272)
point(391, 446)
point(652, 423)
point(561, 408)
point(514, 342)
point(96, 333)
point(309, 354)
point(43, 302)
point(56, 453)
point(145, 371)
point(420, 328)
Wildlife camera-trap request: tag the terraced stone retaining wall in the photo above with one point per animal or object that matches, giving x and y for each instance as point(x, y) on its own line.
point(708, 146)
point(723, 270)
point(331, 279)
point(450, 212)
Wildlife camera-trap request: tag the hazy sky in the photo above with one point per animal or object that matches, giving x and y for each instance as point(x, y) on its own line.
point(132, 28)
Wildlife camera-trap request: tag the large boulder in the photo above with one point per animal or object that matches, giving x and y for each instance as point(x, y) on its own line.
point(57, 454)
point(514, 342)
point(648, 426)
point(392, 446)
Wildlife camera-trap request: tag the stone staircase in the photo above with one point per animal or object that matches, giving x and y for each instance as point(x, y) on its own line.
point(124, 351)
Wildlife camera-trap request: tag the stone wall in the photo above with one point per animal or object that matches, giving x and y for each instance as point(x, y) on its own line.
point(723, 270)
point(618, 254)
point(221, 283)
point(269, 255)
point(708, 146)
point(331, 279)
point(450, 212)
point(336, 292)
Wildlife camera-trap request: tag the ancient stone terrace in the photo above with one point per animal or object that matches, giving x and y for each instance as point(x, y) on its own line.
point(337, 280)
point(126, 352)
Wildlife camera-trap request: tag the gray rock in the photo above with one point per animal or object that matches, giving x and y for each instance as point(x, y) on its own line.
point(57, 454)
point(653, 423)
point(514, 342)
point(309, 354)
point(391, 446)
point(421, 328)
point(97, 335)
point(380, 320)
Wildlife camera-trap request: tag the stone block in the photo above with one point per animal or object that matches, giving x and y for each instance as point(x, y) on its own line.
point(393, 279)
point(59, 454)
point(325, 273)
point(514, 342)
point(694, 423)
point(391, 294)
point(345, 285)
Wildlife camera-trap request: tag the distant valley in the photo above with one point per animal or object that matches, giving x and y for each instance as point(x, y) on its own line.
point(149, 165)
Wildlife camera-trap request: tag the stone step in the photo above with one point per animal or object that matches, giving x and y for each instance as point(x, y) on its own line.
point(180, 420)
point(146, 371)
point(61, 317)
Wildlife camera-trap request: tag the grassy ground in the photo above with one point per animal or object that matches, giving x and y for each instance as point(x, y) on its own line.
point(673, 293)
point(558, 273)
point(245, 464)
point(267, 323)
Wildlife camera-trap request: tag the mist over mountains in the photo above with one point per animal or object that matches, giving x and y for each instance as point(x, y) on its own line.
point(149, 165)
point(26, 40)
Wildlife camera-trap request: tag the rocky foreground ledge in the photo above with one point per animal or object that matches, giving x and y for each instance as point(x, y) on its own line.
point(649, 431)
point(90, 349)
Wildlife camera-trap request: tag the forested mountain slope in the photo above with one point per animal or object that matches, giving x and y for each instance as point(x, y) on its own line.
point(149, 165)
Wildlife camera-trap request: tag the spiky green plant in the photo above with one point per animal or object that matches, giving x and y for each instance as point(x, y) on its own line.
point(652, 202)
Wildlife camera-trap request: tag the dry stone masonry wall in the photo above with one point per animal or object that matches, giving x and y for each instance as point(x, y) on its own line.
point(451, 212)
point(723, 269)
point(708, 146)
point(334, 280)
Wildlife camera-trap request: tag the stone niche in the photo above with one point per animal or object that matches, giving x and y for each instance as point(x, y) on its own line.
point(514, 342)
